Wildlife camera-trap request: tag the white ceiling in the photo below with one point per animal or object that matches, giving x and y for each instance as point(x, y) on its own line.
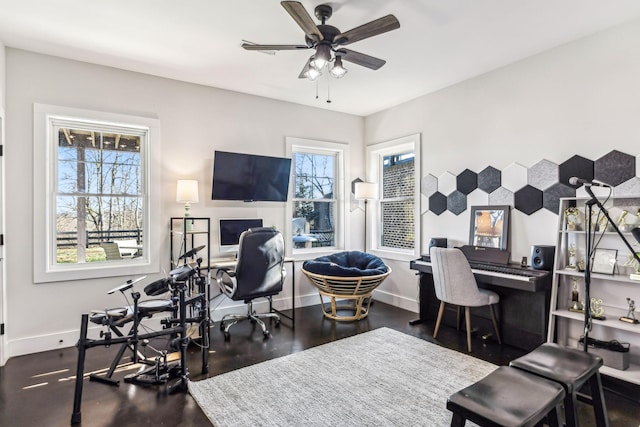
point(439, 43)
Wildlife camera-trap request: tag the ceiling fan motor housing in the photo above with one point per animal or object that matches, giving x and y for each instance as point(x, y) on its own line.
point(328, 34)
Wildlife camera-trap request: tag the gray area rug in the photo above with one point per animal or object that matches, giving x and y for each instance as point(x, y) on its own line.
point(378, 378)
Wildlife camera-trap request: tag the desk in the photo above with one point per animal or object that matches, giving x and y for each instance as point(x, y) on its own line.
point(221, 263)
point(524, 304)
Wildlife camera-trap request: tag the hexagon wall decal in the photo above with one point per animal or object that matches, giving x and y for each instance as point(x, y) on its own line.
point(528, 200)
point(437, 203)
point(467, 181)
point(447, 183)
point(628, 188)
point(457, 202)
point(514, 177)
point(531, 189)
point(429, 185)
point(477, 198)
point(551, 196)
point(490, 179)
point(501, 196)
point(614, 168)
point(543, 174)
point(576, 166)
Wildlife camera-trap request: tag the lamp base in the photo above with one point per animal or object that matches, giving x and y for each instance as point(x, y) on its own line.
point(188, 224)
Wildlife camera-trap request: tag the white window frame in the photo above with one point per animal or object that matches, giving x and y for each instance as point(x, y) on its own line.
point(341, 152)
point(375, 155)
point(45, 267)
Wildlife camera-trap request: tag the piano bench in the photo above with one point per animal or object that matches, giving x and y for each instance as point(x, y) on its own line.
point(507, 397)
point(571, 368)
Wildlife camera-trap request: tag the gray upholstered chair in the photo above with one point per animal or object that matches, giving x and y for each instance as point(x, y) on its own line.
point(455, 284)
point(259, 273)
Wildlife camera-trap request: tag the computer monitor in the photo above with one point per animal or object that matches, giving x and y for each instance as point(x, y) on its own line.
point(231, 229)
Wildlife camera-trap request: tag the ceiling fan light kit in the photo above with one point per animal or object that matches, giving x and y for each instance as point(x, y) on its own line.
point(327, 40)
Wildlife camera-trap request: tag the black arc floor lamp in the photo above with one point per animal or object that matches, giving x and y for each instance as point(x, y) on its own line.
point(365, 191)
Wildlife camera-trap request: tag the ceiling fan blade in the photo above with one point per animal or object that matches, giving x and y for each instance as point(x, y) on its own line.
point(370, 29)
point(302, 18)
point(362, 59)
point(249, 46)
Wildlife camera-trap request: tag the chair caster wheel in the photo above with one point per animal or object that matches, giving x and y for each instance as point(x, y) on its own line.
point(221, 326)
point(266, 334)
point(227, 336)
point(277, 323)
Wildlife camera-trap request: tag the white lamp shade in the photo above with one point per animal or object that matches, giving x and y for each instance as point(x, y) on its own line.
point(366, 190)
point(187, 191)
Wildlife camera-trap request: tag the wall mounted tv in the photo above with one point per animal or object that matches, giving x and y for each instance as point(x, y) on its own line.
point(248, 177)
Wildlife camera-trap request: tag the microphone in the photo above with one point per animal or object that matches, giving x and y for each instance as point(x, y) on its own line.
point(574, 180)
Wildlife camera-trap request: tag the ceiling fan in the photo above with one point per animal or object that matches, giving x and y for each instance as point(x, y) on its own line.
point(327, 41)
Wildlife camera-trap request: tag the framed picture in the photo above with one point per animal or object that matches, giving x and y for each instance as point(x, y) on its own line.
point(604, 261)
point(489, 227)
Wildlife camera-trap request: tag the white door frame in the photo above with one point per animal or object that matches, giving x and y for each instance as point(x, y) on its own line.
point(2, 249)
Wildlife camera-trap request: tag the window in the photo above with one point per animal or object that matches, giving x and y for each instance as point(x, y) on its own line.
point(395, 166)
point(317, 212)
point(96, 218)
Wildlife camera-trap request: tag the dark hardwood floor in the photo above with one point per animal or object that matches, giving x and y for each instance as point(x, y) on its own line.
point(38, 389)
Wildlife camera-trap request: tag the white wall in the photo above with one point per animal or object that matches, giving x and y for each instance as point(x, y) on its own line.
point(2, 76)
point(581, 98)
point(195, 121)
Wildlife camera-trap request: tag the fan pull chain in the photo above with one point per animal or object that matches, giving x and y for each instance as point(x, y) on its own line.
point(328, 89)
point(316, 89)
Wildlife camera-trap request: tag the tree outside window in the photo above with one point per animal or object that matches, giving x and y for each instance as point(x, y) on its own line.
point(314, 207)
point(99, 197)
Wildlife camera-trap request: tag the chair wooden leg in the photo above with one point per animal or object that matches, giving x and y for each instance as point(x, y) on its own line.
point(457, 317)
point(440, 313)
point(495, 324)
point(467, 318)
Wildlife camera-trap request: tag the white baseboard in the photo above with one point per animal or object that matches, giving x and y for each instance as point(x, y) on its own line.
point(262, 305)
point(409, 304)
point(65, 339)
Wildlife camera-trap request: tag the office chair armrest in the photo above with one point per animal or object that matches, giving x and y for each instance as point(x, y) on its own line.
point(226, 282)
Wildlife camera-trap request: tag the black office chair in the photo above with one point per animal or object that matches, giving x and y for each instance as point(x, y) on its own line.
point(258, 273)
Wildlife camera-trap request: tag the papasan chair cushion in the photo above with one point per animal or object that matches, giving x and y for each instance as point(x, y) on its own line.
point(346, 264)
point(349, 275)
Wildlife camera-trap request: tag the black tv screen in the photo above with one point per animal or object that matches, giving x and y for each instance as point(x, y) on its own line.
point(248, 177)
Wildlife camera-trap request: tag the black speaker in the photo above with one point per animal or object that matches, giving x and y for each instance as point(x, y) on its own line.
point(438, 242)
point(542, 257)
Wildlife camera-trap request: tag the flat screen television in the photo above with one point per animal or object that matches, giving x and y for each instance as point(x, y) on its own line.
point(231, 229)
point(248, 177)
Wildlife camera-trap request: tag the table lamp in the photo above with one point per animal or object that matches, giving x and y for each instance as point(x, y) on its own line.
point(187, 193)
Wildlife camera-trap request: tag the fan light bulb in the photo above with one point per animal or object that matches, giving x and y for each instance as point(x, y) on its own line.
point(338, 70)
point(312, 73)
point(322, 56)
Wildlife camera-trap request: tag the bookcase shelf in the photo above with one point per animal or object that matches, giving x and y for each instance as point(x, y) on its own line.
point(609, 290)
point(188, 233)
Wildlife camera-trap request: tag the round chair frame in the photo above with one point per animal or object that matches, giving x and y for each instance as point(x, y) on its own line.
point(357, 289)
